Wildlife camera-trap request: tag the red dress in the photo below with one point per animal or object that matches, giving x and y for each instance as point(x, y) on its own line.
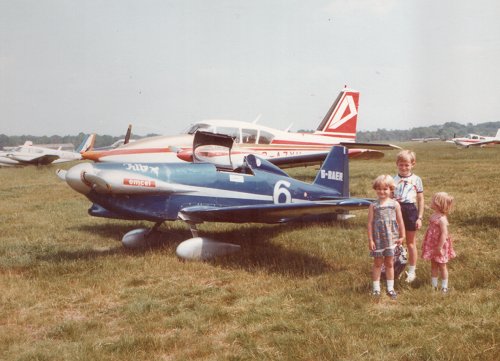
point(432, 239)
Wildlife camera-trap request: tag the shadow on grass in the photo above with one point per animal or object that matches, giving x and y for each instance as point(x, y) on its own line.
point(478, 220)
point(256, 255)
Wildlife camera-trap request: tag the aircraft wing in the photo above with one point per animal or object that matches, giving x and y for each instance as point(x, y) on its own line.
point(271, 213)
point(318, 158)
point(41, 160)
point(372, 146)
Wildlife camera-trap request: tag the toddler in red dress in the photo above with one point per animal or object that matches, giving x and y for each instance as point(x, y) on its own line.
point(438, 245)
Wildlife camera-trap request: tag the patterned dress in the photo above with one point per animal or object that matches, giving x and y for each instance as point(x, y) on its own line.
point(384, 228)
point(432, 239)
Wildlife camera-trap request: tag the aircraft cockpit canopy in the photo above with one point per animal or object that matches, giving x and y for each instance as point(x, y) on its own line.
point(218, 155)
point(200, 126)
point(216, 149)
point(240, 135)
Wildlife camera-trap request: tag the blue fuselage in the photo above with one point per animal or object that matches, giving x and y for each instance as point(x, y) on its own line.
point(196, 185)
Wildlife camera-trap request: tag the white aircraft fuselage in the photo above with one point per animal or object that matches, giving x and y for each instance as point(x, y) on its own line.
point(338, 126)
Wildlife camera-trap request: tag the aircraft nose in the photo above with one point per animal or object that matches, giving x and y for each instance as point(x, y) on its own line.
point(75, 177)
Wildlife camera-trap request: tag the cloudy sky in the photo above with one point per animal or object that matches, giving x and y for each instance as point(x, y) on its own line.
point(70, 66)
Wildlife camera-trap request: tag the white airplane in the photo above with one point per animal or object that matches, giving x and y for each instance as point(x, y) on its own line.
point(285, 148)
point(425, 140)
point(476, 140)
point(28, 153)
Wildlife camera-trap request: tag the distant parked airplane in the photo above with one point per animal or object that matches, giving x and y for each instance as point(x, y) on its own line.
point(476, 140)
point(337, 127)
point(28, 153)
point(425, 140)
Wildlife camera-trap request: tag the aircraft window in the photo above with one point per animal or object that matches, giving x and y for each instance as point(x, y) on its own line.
point(475, 137)
point(232, 132)
point(249, 136)
point(265, 137)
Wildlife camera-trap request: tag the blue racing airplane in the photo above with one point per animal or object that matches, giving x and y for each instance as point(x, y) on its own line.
point(212, 189)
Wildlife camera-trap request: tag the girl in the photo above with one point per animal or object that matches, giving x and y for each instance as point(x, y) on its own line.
point(437, 246)
point(385, 230)
point(409, 193)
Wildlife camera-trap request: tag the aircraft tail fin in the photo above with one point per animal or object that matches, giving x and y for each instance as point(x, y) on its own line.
point(498, 134)
point(334, 172)
point(128, 134)
point(87, 144)
point(341, 119)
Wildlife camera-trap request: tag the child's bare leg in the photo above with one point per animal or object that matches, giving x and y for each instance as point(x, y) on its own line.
point(389, 268)
point(434, 274)
point(412, 255)
point(443, 270)
point(376, 270)
point(389, 275)
point(412, 248)
point(434, 269)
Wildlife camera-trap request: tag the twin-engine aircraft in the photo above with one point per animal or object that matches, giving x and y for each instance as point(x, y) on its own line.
point(253, 190)
point(29, 154)
point(338, 127)
point(475, 140)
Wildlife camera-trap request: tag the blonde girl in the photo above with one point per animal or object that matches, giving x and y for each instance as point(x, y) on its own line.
point(437, 245)
point(385, 231)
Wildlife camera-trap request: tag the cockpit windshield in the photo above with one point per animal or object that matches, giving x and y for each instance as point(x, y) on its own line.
point(200, 126)
point(215, 154)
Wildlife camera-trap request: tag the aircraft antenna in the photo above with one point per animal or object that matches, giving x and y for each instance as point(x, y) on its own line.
point(257, 119)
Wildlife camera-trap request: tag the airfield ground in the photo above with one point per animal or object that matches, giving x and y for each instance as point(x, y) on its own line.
point(70, 291)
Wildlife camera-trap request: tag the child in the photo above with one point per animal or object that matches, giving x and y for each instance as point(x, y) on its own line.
point(437, 246)
point(409, 193)
point(385, 231)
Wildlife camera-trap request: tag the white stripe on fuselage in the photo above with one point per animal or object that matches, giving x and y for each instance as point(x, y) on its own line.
point(224, 193)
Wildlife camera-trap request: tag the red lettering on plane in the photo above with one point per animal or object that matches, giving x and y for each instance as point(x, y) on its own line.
point(139, 183)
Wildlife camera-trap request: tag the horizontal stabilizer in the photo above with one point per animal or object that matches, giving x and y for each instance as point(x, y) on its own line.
point(270, 213)
point(374, 146)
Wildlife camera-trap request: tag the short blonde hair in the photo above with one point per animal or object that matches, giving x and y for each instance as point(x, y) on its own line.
point(384, 180)
point(443, 202)
point(407, 155)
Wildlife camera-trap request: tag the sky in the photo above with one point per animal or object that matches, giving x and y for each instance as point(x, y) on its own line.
point(71, 66)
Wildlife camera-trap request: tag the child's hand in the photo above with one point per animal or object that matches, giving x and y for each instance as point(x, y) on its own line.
point(418, 223)
point(439, 251)
point(399, 242)
point(371, 245)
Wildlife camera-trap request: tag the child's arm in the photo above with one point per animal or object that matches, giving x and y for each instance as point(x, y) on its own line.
point(371, 244)
point(420, 207)
point(443, 225)
point(401, 224)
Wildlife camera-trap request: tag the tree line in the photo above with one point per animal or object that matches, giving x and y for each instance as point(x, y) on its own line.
point(445, 131)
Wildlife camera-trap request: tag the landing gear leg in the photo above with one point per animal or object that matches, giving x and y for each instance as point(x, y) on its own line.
point(154, 228)
point(193, 229)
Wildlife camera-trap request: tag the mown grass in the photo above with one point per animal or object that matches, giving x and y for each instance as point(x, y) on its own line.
point(70, 291)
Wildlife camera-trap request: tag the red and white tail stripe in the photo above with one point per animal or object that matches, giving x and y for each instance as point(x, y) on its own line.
point(341, 119)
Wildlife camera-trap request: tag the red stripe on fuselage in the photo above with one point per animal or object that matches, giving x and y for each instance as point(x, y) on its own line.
point(95, 155)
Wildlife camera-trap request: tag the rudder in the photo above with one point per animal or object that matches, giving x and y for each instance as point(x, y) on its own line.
point(334, 172)
point(341, 119)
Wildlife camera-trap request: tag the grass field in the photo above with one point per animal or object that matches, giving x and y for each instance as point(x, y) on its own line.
point(70, 291)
